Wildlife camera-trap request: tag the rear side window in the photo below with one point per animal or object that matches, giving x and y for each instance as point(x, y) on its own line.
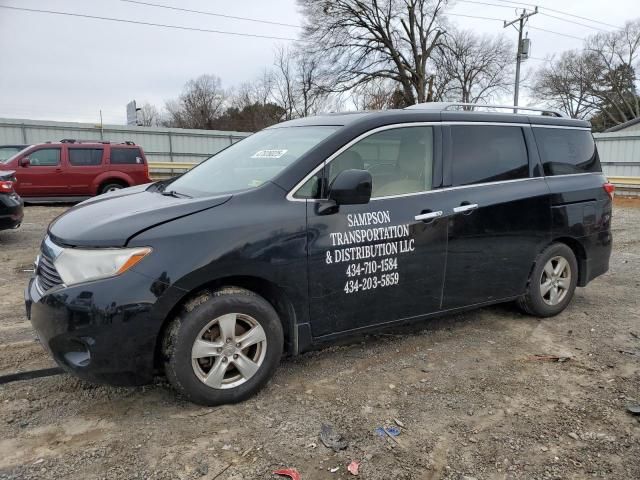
point(83, 157)
point(126, 156)
point(45, 157)
point(565, 151)
point(487, 153)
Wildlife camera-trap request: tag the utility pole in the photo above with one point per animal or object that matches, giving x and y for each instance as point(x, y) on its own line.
point(521, 21)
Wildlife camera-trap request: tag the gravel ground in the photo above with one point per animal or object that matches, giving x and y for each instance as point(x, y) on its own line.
point(470, 399)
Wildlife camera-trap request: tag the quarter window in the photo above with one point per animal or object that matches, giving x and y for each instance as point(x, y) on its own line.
point(400, 160)
point(82, 157)
point(566, 151)
point(487, 153)
point(126, 156)
point(45, 157)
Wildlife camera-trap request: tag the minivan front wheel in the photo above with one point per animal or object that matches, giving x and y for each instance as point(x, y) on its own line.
point(223, 347)
point(552, 282)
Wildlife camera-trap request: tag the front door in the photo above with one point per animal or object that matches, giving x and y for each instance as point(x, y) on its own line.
point(43, 176)
point(500, 213)
point(384, 261)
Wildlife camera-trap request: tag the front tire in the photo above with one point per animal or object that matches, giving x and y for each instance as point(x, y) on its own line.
point(552, 282)
point(223, 347)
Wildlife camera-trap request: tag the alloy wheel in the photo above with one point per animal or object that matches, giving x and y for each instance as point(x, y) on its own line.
point(555, 280)
point(229, 350)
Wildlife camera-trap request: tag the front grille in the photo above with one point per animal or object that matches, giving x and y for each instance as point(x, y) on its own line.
point(47, 275)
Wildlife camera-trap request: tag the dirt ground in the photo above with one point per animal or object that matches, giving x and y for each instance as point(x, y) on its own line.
point(473, 402)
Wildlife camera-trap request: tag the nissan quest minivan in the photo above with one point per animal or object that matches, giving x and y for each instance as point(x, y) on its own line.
point(316, 229)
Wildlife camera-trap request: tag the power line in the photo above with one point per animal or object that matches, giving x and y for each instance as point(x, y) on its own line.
point(148, 24)
point(541, 13)
point(501, 20)
point(556, 33)
point(573, 22)
point(474, 16)
point(561, 13)
point(205, 30)
point(202, 12)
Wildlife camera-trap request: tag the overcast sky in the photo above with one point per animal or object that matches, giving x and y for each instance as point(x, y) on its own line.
point(68, 68)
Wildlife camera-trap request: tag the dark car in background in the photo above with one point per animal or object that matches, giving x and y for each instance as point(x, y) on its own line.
point(75, 169)
point(11, 205)
point(8, 151)
point(317, 229)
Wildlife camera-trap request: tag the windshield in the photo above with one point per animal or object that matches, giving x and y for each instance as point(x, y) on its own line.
point(6, 153)
point(250, 162)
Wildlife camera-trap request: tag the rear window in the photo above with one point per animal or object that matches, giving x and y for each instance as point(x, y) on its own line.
point(565, 151)
point(82, 157)
point(486, 153)
point(126, 156)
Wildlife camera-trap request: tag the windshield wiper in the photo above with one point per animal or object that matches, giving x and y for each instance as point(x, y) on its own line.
point(173, 193)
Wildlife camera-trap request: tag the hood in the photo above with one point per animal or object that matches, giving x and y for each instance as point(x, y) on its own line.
point(110, 220)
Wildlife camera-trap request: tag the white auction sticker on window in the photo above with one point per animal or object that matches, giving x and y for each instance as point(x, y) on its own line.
point(269, 154)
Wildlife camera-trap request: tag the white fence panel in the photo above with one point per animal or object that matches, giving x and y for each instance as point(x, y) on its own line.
point(160, 144)
point(619, 153)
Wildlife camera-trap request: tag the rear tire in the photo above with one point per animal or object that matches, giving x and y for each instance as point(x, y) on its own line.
point(552, 282)
point(223, 347)
point(111, 187)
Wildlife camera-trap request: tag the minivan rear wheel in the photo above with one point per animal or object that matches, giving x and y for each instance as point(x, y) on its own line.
point(552, 282)
point(223, 347)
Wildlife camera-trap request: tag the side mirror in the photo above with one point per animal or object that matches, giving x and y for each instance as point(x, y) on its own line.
point(351, 187)
point(24, 162)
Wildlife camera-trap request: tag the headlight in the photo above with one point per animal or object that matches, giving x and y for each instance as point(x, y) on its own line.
point(82, 265)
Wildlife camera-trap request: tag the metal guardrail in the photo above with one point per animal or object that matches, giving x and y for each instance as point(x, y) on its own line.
point(625, 180)
point(171, 165)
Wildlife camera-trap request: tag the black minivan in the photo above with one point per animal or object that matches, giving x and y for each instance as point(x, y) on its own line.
point(316, 229)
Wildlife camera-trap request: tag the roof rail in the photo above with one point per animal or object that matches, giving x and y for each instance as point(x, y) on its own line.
point(444, 106)
point(73, 140)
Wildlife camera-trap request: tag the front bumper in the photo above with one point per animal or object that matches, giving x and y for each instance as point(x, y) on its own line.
point(11, 211)
point(103, 331)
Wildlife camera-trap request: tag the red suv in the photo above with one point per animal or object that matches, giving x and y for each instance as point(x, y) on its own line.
point(74, 168)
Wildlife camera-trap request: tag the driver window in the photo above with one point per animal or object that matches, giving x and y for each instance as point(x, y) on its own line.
point(400, 160)
point(45, 157)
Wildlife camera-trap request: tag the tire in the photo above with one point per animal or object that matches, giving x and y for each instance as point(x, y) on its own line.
point(111, 187)
point(549, 292)
point(227, 372)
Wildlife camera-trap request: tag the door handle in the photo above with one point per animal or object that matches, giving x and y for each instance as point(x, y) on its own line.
point(429, 215)
point(465, 208)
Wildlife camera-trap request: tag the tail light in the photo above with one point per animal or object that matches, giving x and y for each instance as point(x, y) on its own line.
point(6, 186)
point(609, 188)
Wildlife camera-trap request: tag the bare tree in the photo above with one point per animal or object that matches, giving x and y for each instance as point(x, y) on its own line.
point(284, 79)
point(471, 68)
point(201, 102)
point(296, 85)
point(378, 94)
point(149, 116)
point(566, 83)
point(601, 78)
point(618, 56)
point(258, 91)
point(357, 41)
